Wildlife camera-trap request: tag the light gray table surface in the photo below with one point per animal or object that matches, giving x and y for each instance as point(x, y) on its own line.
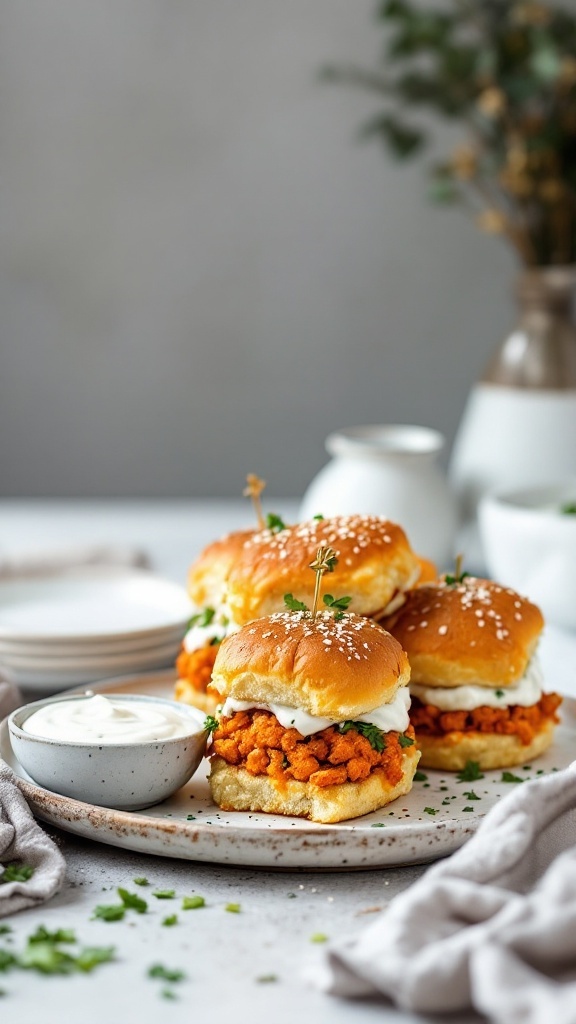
point(223, 954)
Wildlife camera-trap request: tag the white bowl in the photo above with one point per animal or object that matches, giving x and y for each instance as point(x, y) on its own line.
point(530, 545)
point(125, 776)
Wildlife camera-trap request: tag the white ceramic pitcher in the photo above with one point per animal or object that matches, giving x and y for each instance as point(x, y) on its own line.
point(389, 470)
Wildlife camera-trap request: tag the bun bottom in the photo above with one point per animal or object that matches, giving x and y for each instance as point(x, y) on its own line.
point(235, 789)
point(188, 694)
point(451, 751)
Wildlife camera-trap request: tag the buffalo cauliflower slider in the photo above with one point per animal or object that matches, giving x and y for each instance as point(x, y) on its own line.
point(246, 574)
point(315, 718)
point(476, 683)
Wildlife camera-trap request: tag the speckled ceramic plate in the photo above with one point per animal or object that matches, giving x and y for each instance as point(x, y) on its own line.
point(437, 817)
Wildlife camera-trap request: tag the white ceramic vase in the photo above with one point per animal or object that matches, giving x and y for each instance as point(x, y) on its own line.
point(519, 424)
point(390, 471)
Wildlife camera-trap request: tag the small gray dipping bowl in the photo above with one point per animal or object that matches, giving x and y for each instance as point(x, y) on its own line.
point(124, 776)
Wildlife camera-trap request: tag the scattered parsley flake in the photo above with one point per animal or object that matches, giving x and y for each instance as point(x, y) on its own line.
point(5, 929)
point(471, 795)
point(193, 902)
point(109, 912)
point(470, 772)
point(168, 993)
point(318, 937)
point(318, 517)
point(233, 908)
point(467, 808)
point(203, 618)
point(405, 741)
point(164, 894)
point(190, 817)
point(339, 604)
point(265, 979)
point(132, 902)
point(171, 920)
point(166, 973)
point(16, 872)
point(378, 824)
point(430, 810)
point(211, 723)
point(499, 693)
point(569, 509)
point(141, 881)
point(420, 777)
point(509, 777)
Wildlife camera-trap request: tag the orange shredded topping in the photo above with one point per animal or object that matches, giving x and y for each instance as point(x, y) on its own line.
point(429, 720)
point(256, 741)
point(196, 666)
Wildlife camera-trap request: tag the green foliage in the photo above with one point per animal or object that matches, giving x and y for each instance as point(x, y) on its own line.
point(505, 70)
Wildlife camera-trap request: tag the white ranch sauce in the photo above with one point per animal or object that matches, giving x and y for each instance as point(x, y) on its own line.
point(101, 719)
point(526, 692)
point(391, 717)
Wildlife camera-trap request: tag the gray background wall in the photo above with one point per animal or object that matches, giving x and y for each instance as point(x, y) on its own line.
point(202, 271)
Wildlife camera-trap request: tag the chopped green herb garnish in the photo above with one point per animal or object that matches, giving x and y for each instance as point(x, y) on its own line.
point(318, 517)
point(373, 734)
point(264, 979)
point(132, 901)
point(190, 817)
point(569, 509)
point(233, 908)
point(430, 810)
point(451, 581)
point(378, 824)
point(275, 523)
point(109, 912)
point(470, 772)
point(203, 618)
point(509, 777)
point(405, 741)
point(141, 881)
point(164, 894)
point(471, 795)
point(91, 956)
point(420, 777)
point(5, 929)
point(499, 693)
point(215, 641)
point(318, 937)
point(43, 935)
point(166, 973)
point(7, 959)
point(339, 604)
point(467, 808)
point(193, 902)
point(15, 872)
point(168, 993)
point(171, 920)
point(293, 604)
point(210, 725)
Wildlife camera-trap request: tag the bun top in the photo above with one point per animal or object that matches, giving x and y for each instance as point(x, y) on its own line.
point(475, 631)
point(208, 574)
point(333, 668)
point(375, 564)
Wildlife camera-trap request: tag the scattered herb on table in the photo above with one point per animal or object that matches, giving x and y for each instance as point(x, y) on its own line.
point(193, 902)
point(141, 881)
point(164, 894)
point(109, 912)
point(569, 509)
point(471, 795)
point(265, 979)
point(171, 920)
point(166, 973)
point(509, 777)
point(233, 908)
point(318, 937)
point(420, 777)
point(378, 824)
point(430, 810)
point(16, 872)
point(132, 902)
point(467, 808)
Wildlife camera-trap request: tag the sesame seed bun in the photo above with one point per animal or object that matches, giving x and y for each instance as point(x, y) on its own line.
point(336, 669)
point(375, 564)
point(451, 751)
point(208, 574)
point(473, 632)
point(236, 789)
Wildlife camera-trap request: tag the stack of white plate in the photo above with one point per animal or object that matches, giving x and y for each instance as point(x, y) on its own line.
point(59, 631)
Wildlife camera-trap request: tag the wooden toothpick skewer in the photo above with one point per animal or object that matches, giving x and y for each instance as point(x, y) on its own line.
point(324, 562)
point(458, 569)
point(253, 489)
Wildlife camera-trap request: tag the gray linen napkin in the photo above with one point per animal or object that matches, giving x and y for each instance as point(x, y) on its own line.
point(10, 696)
point(23, 841)
point(493, 927)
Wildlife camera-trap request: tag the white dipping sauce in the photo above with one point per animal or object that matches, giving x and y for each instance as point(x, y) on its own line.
point(100, 719)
